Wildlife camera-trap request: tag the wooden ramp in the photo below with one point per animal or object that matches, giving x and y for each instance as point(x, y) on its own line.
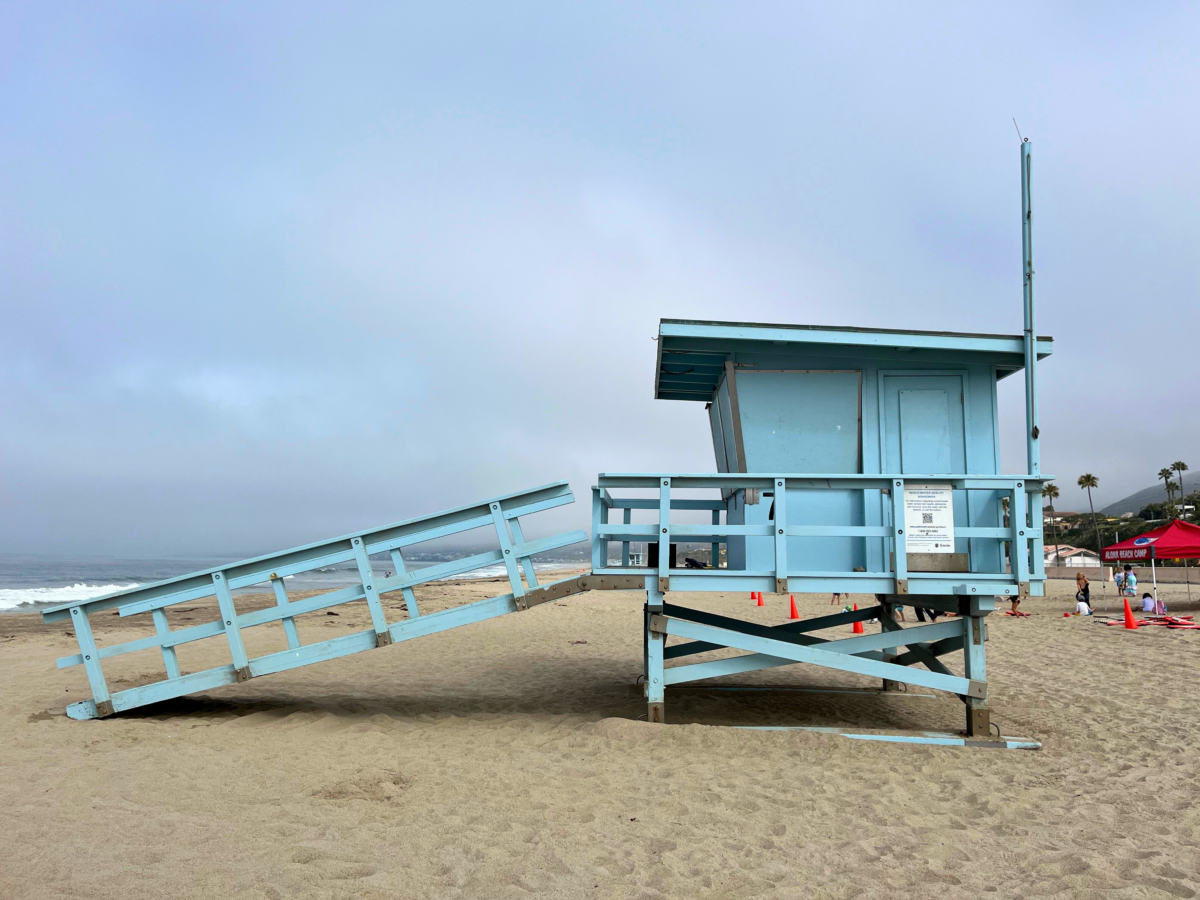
point(501, 514)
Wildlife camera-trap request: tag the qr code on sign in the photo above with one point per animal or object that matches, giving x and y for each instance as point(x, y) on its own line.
point(926, 518)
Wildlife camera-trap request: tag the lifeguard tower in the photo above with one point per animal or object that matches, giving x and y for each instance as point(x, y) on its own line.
point(850, 460)
point(854, 460)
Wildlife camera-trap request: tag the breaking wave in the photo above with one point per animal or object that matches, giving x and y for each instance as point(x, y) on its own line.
point(12, 598)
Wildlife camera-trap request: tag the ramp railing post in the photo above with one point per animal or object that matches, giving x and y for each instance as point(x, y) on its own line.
point(410, 599)
point(526, 561)
point(233, 631)
point(383, 637)
point(289, 623)
point(91, 661)
point(506, 548)
point(163, 628)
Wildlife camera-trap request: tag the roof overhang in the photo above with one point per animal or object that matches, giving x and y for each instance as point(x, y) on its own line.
point(692, 354)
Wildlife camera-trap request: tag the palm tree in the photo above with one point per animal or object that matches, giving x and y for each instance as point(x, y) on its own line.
point(1180, 466)
point(1165, 475)
point(1050, 490)
point(1087, 482)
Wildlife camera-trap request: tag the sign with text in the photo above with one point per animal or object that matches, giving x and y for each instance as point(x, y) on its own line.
point(929, 518)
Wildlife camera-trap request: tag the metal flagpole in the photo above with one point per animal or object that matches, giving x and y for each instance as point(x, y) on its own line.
point(1032, 448)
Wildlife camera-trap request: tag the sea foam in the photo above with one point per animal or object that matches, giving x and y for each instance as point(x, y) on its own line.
point(12, 598)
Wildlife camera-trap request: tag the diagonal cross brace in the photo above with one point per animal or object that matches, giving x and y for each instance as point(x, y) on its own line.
point(795, 628)
point(819, 656)
point(920, 653)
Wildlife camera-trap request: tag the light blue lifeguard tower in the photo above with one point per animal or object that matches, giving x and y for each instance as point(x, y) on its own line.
point(851, 460)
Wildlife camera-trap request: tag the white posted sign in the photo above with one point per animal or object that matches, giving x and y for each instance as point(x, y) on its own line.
point(929, 518)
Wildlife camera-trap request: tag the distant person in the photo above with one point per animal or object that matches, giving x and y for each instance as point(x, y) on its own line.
point(1119, 581)
point(1129, 583)
point(836, 598)
point(1083, 592)
point(1147, 603)
point(1082, 608)
point(899, 611)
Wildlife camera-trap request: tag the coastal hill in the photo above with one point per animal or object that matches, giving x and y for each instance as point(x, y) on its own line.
point(1156, 494)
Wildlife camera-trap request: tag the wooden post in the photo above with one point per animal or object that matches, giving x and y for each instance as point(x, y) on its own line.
point(655, 645)
point(975, 669)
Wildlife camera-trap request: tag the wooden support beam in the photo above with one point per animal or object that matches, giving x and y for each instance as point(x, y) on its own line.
point(233, 631)
point(820, 656)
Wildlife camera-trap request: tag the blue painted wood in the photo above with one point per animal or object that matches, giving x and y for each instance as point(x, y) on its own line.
point(856, 646)
point(525, 561)
point(627, 517)
point(780, 537)
point(312, 556)
point(816, 656)
point(410, 598)
point(233, 631)
point(90, 654)
point(289, 623)
point(370, 589)
point(506, 551)
point(222, 582)
point(664, 527)
point(1019, 520)
point(899, 540)
point(163, 629)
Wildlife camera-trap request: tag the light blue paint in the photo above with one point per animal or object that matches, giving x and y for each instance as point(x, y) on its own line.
point(816, 656)
point(500, 513)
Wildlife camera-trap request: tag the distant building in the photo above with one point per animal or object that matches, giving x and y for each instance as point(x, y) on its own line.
point(1057, 518)
point(1066, 555)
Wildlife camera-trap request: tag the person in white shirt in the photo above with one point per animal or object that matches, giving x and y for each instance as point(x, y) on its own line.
point(1147, 603)
point(1082, 609)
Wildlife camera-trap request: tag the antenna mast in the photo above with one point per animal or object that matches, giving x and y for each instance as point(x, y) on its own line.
point(1033, 449)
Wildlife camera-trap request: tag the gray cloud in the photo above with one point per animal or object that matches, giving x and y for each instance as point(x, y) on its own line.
point(268, 275)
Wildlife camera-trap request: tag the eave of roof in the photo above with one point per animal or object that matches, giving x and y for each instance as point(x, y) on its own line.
point(692, 353)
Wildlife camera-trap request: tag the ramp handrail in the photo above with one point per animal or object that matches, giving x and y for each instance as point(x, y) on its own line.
point(514, 552)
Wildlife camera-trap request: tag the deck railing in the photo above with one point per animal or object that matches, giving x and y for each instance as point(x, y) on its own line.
point(1023, 535)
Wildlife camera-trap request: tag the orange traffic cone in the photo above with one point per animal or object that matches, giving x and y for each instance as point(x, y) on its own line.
point(858, 629)
point(794, 613)
point(1130, 621)
point(760, 599)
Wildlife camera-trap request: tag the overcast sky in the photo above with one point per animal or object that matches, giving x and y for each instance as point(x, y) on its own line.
point(270, 274)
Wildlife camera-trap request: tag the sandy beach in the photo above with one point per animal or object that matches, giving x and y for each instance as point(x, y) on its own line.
point(504, 760)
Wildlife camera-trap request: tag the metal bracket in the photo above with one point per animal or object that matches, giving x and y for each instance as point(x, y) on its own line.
point(578, 585)
point(657, 624)
point(977, 689)
point(901, 585)
point(104, 708)
point(383, 638)
point(781, 586)
point(976, 630)
point(656, 712)
point(979, 721)
point(243, 674)
point(664, 585)
point(1023, 591)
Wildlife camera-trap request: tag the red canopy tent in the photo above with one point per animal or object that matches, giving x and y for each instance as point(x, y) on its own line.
point(1175, 540)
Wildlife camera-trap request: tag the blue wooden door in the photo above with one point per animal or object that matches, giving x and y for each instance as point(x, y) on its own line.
point(925, 431)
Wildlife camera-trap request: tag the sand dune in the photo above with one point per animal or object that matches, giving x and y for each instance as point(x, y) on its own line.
point(504, 759)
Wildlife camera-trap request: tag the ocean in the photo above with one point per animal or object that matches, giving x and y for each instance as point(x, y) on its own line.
point(28, 583)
